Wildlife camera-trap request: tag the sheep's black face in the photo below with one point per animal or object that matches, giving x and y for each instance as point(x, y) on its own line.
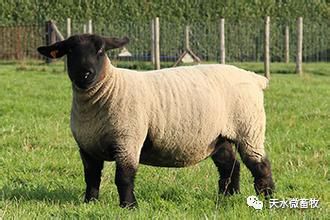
point(85, 60)
point(85, 56)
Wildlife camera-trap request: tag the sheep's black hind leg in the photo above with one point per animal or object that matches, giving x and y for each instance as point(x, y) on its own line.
point(124, 180)
point(92, 169)
point(228, 167)
point(261, 171)
point(263, 181)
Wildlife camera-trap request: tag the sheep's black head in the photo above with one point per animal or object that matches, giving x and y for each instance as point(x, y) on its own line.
point(85, 56)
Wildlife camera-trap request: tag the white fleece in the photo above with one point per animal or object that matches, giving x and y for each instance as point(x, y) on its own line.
point(182, 111)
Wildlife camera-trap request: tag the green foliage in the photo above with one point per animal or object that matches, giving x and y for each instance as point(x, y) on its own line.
point(175, 11)
point(42, 175)
point(244, 26)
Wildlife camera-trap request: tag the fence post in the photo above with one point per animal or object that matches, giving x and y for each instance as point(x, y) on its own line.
point(299, 45)
point(187, 41)
point(287, 44)
point(156, 44)
point(90, 27)
point(187, 50)
point(68, 34)
point(68, 27)
point(18, 49)
point(50, 36)
point(84, 28)
point(266, 48)
point(222, 41)
point(152, 41)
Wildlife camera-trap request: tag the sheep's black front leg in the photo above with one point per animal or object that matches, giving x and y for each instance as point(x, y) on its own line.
point(92, 169)
point(124, 180)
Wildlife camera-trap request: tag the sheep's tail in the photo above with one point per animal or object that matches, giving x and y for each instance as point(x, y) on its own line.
point(262, 81)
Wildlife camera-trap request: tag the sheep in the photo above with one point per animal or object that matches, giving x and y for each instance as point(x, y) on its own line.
point(174, 117)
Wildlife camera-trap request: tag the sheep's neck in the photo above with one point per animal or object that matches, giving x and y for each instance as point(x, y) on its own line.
point(88, 103)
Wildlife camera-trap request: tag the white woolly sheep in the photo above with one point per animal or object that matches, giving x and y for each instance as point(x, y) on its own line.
point(172, 117)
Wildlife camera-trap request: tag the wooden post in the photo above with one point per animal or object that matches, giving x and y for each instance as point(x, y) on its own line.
point(266, 48)
point(68, 34)
point(18, 53)
point(50, 36)
point(47, 38)
point(58, 34)
point(287, 44)
point(85, 29)
point(222, 41)
point(187, 42)
point(68, 27)
point(299, 45)
point(156, 43)
point(187, 50)
point(90, 27)
point(152, 41)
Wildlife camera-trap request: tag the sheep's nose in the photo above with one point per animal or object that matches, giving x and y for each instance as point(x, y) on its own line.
point(86, 75)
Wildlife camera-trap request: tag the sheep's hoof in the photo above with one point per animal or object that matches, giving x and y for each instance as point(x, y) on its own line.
point(264, 186)
point(228, 186)
point(92, 199)
point(129, 205)
point(91, 195)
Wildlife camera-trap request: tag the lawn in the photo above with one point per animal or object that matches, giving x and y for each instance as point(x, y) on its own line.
point(42, 175)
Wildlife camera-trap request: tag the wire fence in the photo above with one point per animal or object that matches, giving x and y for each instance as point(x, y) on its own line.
point(244, 40)
point(20, 42)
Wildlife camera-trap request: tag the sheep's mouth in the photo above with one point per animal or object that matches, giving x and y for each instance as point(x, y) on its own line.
point(86, 81)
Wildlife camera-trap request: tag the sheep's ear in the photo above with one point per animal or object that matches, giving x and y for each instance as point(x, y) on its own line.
point(53, 51)
point(113, 42)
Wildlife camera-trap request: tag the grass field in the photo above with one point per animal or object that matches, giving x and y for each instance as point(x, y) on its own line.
point(42, 175)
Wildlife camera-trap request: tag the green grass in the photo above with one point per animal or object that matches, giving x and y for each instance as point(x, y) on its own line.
point(42, 176)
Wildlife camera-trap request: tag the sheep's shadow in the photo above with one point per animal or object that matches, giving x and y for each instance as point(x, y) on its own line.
point(41, 193)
